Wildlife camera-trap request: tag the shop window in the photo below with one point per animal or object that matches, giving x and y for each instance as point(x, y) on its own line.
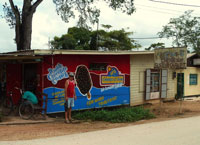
point(155, 81)
point(98, 66)
point(193, 79)
point(156, 84)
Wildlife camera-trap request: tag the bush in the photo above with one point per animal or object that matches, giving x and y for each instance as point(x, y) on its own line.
point(128, 114)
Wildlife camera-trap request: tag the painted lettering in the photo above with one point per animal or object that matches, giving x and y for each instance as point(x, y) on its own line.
point(57, 73)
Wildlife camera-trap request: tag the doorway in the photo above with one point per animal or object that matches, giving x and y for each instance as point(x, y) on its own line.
point(30, 77)
point(180, 85)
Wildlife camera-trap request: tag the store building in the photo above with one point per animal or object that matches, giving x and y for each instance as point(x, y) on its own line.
point(188, 80)
point(103, 78)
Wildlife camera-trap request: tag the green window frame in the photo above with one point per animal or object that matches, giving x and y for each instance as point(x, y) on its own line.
point(193, 79)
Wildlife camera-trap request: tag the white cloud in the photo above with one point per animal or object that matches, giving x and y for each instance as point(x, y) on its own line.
point(6, 37)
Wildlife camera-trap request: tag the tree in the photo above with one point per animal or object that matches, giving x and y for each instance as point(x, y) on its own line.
point(21, 19)
point(155, 46)
point(81, 36)
point(85, 39)
point(64, 42)
point(185, 30)
point(113, 40)
point(76, 38)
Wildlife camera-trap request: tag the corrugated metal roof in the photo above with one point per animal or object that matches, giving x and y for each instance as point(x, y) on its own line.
point(74, 52)
point(16, 53)
point(89, 52)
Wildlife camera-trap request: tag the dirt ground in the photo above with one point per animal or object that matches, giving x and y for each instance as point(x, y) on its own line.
point(163, 111)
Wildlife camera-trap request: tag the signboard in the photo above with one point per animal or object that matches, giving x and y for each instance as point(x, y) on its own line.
point(154, 95)
point(112, 77)
point(107, 89)
point(170, 58)
point(57, 73)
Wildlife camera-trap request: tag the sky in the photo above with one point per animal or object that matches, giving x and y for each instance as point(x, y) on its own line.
point(146, 22)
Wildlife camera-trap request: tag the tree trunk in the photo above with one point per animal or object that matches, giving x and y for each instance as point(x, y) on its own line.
point(23, 32)
point(23, 27)
point(18, 34)
point(26, 31)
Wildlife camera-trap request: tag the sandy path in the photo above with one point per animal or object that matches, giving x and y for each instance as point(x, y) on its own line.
point(183, 131)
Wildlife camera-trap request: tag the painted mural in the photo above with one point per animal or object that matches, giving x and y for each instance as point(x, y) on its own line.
point(57, 73)
point(93, 90)
point(112, 77)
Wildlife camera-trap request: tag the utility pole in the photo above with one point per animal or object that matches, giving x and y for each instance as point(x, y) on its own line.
point(97, 35)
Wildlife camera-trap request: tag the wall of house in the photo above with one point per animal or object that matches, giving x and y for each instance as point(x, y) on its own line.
point(139, 64)
point(109, 87)
point(172, 86)
point(190, 89)
point(14, 79)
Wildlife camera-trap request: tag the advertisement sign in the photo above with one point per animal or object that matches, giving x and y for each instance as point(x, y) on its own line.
point(112, 77)
point(172, 58)
point(57, 73)
point(93, 90)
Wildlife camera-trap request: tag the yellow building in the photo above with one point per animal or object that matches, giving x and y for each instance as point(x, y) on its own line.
point(188, 80)
point(140, 65)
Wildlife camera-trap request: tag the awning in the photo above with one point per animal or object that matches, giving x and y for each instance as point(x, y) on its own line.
point(20, 58)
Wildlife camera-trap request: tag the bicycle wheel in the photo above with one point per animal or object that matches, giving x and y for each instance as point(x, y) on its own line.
point(26, 110)
point(7, 106)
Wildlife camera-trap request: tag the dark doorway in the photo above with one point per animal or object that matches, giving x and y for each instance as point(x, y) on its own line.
point(180, 85)
point(30, 77)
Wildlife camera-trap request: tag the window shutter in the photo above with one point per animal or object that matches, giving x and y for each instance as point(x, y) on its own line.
point(164, 83)
point(148, 84)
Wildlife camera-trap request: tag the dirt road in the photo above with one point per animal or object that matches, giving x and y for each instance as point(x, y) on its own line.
point(183, 131)
point(167, 111)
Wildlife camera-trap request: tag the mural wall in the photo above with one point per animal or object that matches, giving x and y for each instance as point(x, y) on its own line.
point(94, 88)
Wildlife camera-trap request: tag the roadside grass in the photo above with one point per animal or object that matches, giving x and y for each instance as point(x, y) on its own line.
point(117, 115)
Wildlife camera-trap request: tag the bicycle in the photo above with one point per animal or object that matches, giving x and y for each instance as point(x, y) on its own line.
point(24, 107)
point(6, 105)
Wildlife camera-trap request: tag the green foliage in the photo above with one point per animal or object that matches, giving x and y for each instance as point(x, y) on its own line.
point(85, 39)
point(185, 30)
point(81, 36)
point(106, 26)
point(65, 41)
point(128, 114)
point(155, 46)
point(21, 19)
point(87, 10)
point(76, 38)
point(117, 40)
point(9, 15)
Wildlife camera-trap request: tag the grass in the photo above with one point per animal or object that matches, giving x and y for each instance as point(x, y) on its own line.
point(119, 115)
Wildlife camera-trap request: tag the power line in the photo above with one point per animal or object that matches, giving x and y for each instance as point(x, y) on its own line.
point(186, 5)
point(158, 8)
point(168, 10)
point(163, 11)
point(157, 11)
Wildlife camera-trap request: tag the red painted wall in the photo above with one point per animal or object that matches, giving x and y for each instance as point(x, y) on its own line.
point(14, 79)
point(122, 62)
point(14, 71)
